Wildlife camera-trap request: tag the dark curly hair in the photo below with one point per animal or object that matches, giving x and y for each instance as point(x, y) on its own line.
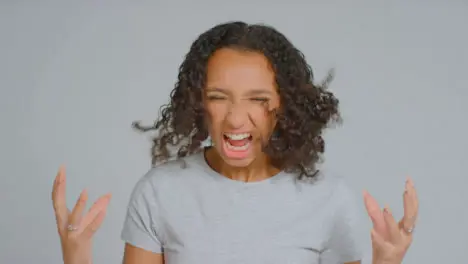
point(306, 108)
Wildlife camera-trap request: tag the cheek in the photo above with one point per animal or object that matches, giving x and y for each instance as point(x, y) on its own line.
point(263, 120)
point(215, 116)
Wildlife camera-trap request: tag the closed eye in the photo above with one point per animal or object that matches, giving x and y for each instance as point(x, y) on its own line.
point(260, 99)
point(215, 97)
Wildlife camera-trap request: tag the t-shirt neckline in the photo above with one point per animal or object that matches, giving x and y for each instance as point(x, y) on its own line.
point(201, 159)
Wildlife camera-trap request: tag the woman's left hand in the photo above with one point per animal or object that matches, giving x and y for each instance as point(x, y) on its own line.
point(391, 240)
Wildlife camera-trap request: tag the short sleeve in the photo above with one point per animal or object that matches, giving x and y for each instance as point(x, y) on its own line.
point(139, 227)
point(344, 244)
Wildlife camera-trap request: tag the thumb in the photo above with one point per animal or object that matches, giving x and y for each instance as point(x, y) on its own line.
point(378, 242)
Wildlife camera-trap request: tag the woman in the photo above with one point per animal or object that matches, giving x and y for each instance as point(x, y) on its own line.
point(254, 194)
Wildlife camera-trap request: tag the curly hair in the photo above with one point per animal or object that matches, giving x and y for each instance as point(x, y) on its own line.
point(306, 108)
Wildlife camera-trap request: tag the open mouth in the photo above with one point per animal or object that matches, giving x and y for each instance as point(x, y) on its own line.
point(237, 142)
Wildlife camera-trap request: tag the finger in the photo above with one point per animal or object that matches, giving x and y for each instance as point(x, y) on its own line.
point(414, 198)
point(91, 229)
point(59, 200)
point(410, 204)
point(392, 226)
point(77, 213)
point(378, 242)
point(375, 213)
point(97, 207)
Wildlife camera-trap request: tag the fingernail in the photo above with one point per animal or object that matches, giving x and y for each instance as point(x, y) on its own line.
point(387, 209)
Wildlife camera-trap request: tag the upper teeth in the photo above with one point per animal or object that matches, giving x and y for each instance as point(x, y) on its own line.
point(237, 136)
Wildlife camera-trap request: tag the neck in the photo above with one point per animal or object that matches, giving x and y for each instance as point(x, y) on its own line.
point(260, 169)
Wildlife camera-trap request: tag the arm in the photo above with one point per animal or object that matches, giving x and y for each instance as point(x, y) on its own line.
point(343, 245)
point(135, 255)
point(143, 244)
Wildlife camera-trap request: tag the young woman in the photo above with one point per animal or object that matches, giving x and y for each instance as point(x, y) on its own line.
point(254, 194)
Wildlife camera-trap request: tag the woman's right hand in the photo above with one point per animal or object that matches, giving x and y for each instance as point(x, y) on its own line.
point(75, 229)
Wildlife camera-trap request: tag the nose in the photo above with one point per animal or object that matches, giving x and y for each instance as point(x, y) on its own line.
point(237, 116)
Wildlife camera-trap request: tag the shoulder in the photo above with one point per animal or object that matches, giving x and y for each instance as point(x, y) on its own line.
point(168, 176)
point(332, 190)
point(329, 183)
point(340, 187)
point(343, 203)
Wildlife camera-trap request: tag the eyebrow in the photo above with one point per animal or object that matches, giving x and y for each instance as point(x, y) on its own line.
point(251, 92)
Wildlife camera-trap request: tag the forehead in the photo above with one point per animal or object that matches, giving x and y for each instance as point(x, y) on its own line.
point(239, 70)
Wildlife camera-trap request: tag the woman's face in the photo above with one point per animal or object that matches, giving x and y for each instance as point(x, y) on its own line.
point(239, 97)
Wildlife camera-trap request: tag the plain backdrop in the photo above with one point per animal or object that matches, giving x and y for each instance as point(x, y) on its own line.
point(74, 75)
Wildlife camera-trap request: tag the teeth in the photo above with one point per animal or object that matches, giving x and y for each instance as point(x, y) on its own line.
point(237, 136)
point(237, 148)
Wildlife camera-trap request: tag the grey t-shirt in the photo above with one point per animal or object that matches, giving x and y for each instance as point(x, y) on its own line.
point(194, 215)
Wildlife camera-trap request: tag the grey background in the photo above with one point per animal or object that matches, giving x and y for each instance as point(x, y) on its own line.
point(74, 75)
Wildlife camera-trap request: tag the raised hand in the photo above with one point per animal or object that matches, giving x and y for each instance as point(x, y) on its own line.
point(391, 240)
point(75, 229)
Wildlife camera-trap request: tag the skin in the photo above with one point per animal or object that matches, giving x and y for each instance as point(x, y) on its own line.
point(239, 95)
